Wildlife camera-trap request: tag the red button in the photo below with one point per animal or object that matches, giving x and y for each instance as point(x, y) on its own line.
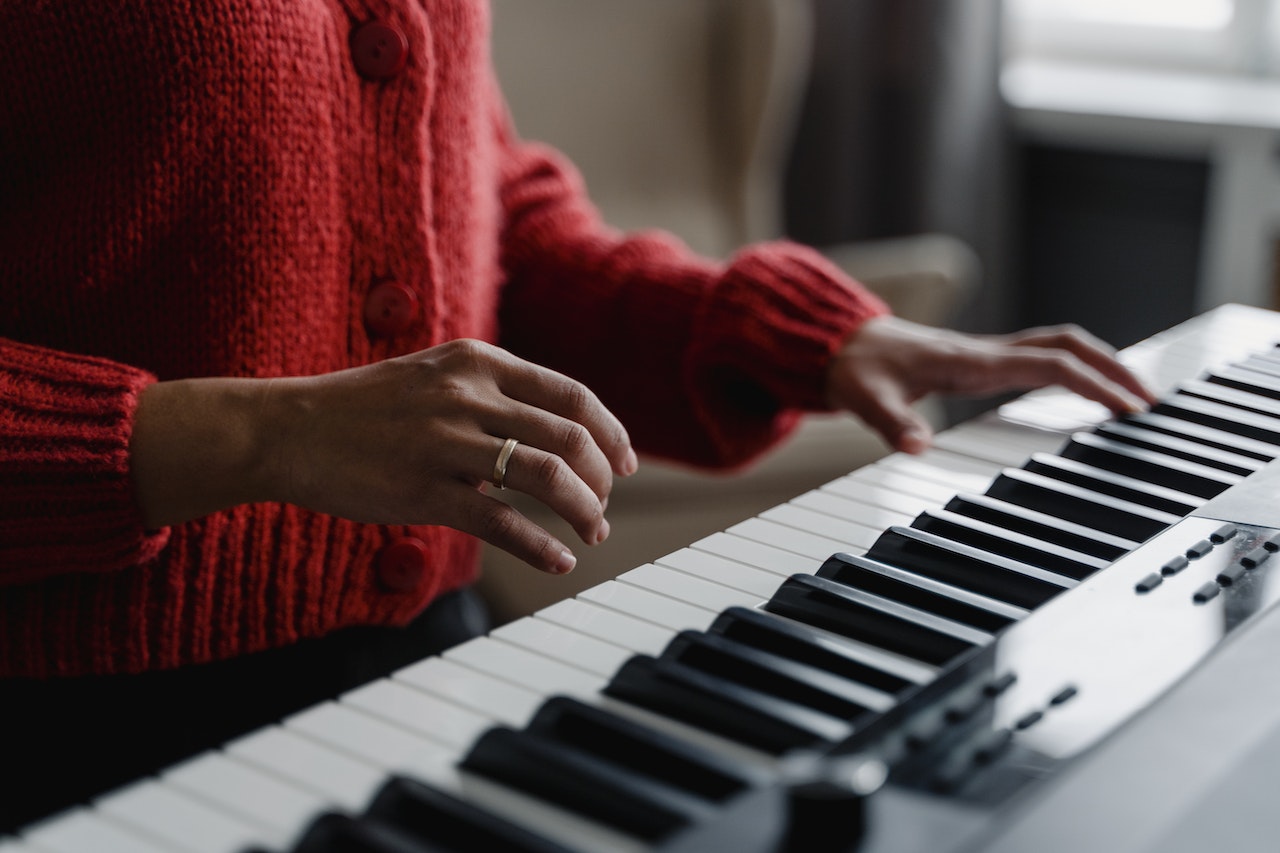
point(402, 564)
point(390, 309)
point(378, 50)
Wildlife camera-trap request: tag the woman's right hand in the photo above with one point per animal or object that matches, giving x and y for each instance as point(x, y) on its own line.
point(410, 440)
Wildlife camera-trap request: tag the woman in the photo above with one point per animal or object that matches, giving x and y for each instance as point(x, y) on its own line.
point(282, 294)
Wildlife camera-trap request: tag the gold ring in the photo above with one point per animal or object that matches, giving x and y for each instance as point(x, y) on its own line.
point(500, 467)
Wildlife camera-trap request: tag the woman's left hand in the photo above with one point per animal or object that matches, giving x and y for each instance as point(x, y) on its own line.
point(890, 363)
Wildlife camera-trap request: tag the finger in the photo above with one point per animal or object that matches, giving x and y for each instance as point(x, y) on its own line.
point(568, 439)
point(1034, 368)
point(568, 398)
point(886, 410)
point(1092, 351)
point(502, 526)
point(549, 478)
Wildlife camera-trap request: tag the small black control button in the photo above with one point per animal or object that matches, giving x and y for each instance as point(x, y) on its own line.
point(1255, 558)
point(1206, 593)
point(999, 685)
point(1198, 550)
point(948, 779)
point(1223, 533)
point(1028, 720)
point(1272, 544)
point(1149, 583)
point(1174, 566)
point(964, 708)
point(1066, 694)
point(992, 745)
point(1231, 574)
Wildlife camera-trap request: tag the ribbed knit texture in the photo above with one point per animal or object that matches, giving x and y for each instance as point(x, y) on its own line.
point(208, 188)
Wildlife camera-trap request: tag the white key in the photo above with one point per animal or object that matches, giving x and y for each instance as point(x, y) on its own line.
point(177, 820)
point(247, 793)
point(727, 572)
point(635, 635)
point(557, 641)
point(648, 606)
point(960, 473)
point(368, 738)
point(899, 481)
point(695, 591)
point(853, 537)
point(788, 538)
point(759, 555)
point(875, 518)
point(475, 690)
point(524, 668)
point(82, 831)
point(869, 493)
point(419, 711)
point(349, 782)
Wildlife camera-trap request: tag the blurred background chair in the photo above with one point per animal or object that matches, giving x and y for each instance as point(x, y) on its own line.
point(681, 116)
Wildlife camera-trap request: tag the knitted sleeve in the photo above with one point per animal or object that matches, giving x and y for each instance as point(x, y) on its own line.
point(66, 499)
point(705, 363)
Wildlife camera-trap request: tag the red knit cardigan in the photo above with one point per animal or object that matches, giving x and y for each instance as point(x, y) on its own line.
point(211, 188)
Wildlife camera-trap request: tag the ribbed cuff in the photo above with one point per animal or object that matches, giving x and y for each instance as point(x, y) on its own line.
point(66, 496)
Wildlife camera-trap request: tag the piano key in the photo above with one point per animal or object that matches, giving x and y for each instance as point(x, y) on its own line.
point(82, 831)
point(635, 635)
point(1010, 543)
point(967, 567)
point(720, 706)
point(1266, 384)
point(370, 738)
point(851, 535)
point(874, 518)
point(347, 781)
point(1080, 505)
point(427, 812)
point(1245, 401)
point(246, 792)
point(590, 653)
point(777, 675)
point(868, 493)
point(340, 833)
point(1192, 451)
point(756, 554)
point(787, 538)
point(894, 480)
point(1210, 436)
point(872, 619)
point(436, 718)
point(700, 564)
point(581, 782)
point(1150, 466)
point(523, 668)
point(868, 664)
point(1263, 364)
point(686, 588)
point(1039, 525)
point(647, 606)
point(471, 689)
point(945, 600)
point(177, 820)
point(1119, 486)
point(1219, 416)
point(983, 445)
point(959, 473)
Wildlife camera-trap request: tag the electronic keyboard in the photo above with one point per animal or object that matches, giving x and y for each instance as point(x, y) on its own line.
point(1052, 631)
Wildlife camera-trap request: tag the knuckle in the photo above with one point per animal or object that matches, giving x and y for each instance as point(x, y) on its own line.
point(550, 470)
point(575, 439)
point(578, 399)
point(496, 522)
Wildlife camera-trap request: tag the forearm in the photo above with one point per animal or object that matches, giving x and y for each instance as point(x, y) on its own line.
point(201, 445)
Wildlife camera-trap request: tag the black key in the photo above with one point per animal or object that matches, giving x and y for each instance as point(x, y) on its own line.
point(811, 646)
point(579, 781)
point(1210, 437)
point(1009, 543)
point(870, 619)
point(1181, 448)
point(1243, 400)
point(967, 567)
point(1149, 466)
point(1219, 416)
point(1048, 528)
point(1079, 505)
point(1255, 382)
point(1116, 485)
point(776, 676)
point(426, 813)
point(720, 706)
point(340, 833)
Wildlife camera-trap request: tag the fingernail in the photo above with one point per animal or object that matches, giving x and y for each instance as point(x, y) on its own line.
point(630, 463)
point(565, 564)
point(602, 532)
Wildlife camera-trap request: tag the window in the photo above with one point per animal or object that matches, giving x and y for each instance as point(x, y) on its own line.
point(1237, 36)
